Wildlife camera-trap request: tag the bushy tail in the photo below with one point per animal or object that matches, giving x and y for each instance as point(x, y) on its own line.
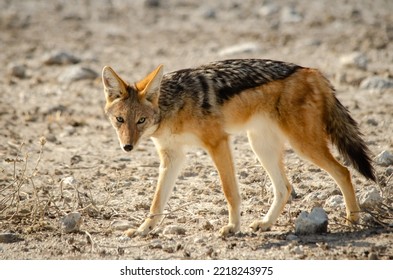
point(345, 135)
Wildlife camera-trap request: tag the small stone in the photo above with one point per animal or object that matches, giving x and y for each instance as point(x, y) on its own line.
point(268, 10)
point(298, 250)
point(69, 181)
point(314, 223)
point(61, 58)
point(152, 3)
point(370, 198)
point(207, 225)
point(121, 225)
point(354, 60)
point(290, 15)
point(335, 201)
point(71, 222)
point(155, 244)
point(175, 230)
point(385, 158)
point(76, 73)
point(315, 196)
point(372, 122)
point(239, 49)
point(17, 70)
point(200, 240)
point(182, 220)
point(8, 237)
point(376, 83)
point(208, 13)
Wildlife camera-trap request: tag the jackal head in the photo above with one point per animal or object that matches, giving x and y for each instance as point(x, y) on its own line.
point(132, 109)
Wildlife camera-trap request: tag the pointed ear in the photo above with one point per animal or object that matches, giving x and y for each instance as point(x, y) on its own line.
point(114, 86)
point(149, 87)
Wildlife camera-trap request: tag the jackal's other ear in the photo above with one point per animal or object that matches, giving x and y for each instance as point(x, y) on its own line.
point(149, 87)
point(114, 86)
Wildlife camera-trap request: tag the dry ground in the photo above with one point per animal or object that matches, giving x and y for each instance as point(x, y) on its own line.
point(81, 168)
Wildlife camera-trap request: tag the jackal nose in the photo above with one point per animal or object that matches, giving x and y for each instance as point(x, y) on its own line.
point(128, 147)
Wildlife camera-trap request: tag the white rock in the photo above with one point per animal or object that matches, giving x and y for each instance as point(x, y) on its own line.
point(376, 83)
point(313, 223)
point(69, 181)
point(370, 198)
point(176, 230)
point(239, 49)
point(335, 201)
point(355, 60)
point(385, 158)
point(76, 73)
point(71, 222)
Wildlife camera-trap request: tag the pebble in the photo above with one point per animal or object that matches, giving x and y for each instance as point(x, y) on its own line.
point(385, 158)
point(376, 83)
point(208, 13)
point(370, 198)
point(76, 73)
point(155, 244)
point(239, 49)
point(313, 223)
point(71, 222)
point(8, 237)
point(176, 230)
point(372, 122)
point(335, 201)
point(354, 60)
point(207, 225)
point(268, 10)
point(61, 58)
point(152, 3)
point(17, 70)
point(69, 181)
point(290, 15)
point(200, 240)
point(315, 196)
point(298, 250)
point(121, 225)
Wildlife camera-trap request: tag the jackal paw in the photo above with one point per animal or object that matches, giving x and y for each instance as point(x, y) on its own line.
point(353, 218)
point(133, 232)
point(229, 230)
point(260, 225)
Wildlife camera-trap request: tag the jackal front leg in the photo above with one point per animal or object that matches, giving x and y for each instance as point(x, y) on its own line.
point(222, 157)
point(171, 162)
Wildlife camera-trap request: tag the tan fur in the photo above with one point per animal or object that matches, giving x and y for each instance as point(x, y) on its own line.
point(291, 109)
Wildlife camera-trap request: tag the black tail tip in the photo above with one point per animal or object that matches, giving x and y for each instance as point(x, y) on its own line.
point(367, 170)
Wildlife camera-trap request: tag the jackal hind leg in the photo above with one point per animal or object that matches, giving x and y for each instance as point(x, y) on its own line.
point(268, 147)
point(171, 163)
point(222, 158)
point(319, 153)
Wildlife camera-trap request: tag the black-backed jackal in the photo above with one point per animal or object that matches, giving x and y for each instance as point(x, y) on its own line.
point(274, 102)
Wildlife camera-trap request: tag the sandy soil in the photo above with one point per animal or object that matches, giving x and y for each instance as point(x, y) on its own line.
point(80, 167)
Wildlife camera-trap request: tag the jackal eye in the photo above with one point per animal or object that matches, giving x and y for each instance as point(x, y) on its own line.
point(120, 119)
point(141, 120)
